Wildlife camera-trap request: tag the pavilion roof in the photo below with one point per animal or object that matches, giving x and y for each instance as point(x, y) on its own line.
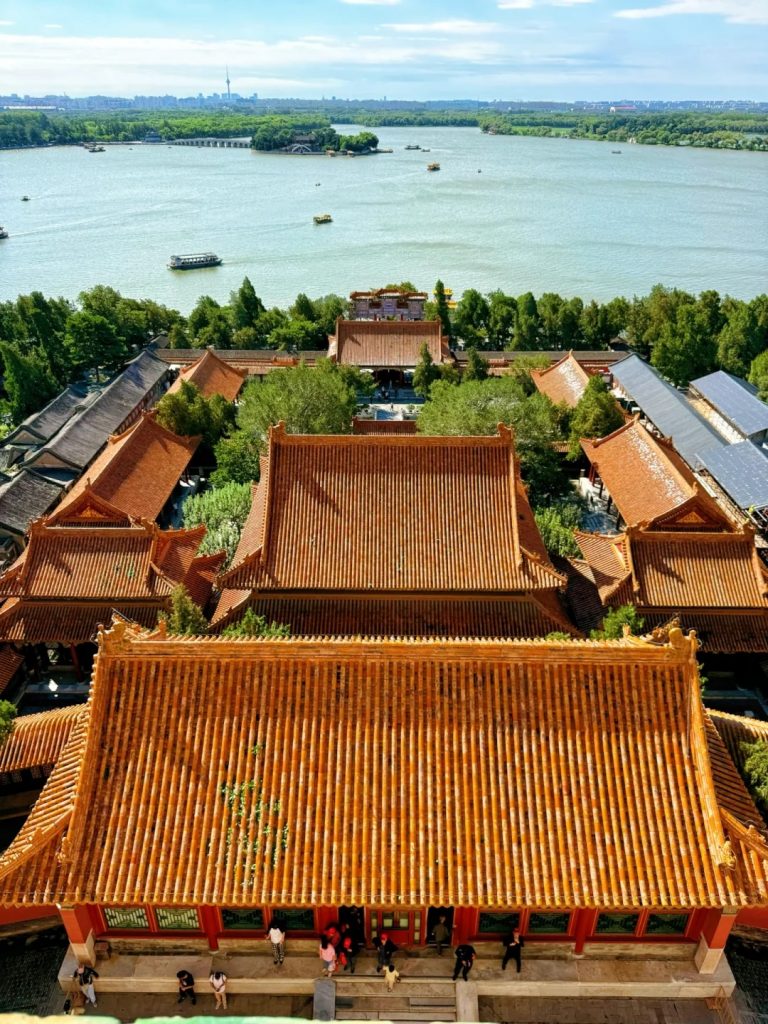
point(70, 578)
point(212, 376)
point(564, 381)
point(37, 740)
point(387, 343)
point(623, 804)
point(135, 474)
point(391, 514)
point(645, 477)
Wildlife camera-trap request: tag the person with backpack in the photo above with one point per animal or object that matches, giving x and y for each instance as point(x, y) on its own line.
point(218, 980)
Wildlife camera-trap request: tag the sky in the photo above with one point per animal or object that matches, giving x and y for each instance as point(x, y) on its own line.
point(401, 49)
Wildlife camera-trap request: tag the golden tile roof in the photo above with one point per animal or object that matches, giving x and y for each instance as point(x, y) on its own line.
point(397, 514)
point(212, 376)
point(737, 729)
point(383, 343)
point(362, 425)
point(37, 740)
point(136, 473)
point(389, 772)
point(10, 662)
point(564, 381)
point(645, 478)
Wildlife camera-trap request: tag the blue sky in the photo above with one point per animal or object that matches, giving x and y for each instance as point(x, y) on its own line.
point(407, 49)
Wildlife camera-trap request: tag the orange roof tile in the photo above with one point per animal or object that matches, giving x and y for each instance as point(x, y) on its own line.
point(10, 663)
point(368, 514)
point(212, 376)
point(610, 738)
point(737, 729)
point(136, 473)
point(384, 427)
point(564, 381)
point(69, 578)
point(382, 343)
point(37, 740)
point(644, 477)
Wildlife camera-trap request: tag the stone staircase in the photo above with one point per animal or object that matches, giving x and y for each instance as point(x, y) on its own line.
point(413, 1000)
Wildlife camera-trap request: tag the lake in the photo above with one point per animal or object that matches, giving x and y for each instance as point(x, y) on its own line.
point(503, 212)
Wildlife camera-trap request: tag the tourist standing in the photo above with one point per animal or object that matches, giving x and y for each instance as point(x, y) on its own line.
point(328, 955)
point(276, 936)
point(218, 982)
point(385, 950)
point(391, 976)
point(465, 957)
point(513, 950)
point(84, 976)
point(186, 987)
point(348, 954)
point(441, 934)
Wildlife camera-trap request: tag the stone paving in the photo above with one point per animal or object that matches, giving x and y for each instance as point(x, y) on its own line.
point(29, 966)
point(749, 962)
point(595, 1011)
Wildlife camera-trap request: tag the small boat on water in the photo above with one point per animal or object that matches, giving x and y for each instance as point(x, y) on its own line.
point(96, 149)
point(413, 147)
point(433, 167)
point(616, 152)
point(25, 199)
point(193, 261)
point(323, 218)
point(3, 232)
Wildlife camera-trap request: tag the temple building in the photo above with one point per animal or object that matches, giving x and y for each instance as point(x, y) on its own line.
point(564, 382)
point(73, 574)
point(576, 789)
point(388, 304)
point(212, 376)
point(393, 535)
point(388, 349)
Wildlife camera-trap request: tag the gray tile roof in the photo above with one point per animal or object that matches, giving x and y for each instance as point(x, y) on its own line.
point(735, 400)
point(26, 497)
point(80, 440)
point(667, 409)
point(742, 471)
point(44, 424)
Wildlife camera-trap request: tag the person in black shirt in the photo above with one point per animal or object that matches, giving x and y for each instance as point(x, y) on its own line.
point(513, 947)
point(84, 976)
point(465, 957)
point(186, 987)
point(385, 950)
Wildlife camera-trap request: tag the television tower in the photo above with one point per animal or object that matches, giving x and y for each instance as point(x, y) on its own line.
point(229, 95)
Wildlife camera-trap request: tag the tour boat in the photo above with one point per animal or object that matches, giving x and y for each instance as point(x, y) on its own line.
point(323, 218)
point(433, 167)
point(413, 147)
point(193, 261)
point(25, 199)
point(3, 232)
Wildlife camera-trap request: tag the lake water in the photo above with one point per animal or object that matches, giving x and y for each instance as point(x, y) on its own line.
point(543, 214)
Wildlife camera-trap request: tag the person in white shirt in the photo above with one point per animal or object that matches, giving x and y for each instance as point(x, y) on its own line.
point(276, 936)
point(218, 982)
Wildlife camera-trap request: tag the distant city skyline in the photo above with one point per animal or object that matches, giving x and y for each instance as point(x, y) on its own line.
point(403, 49)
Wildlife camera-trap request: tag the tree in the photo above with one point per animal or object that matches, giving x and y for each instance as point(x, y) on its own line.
point(526, 323)
point(189, 413)
point(683, 350)
point(253, 625)
point(755, 772)
point(7, 716)
point(206, 309)
point(758, 375)
point(185, 618)
point(476, 368)
point(92, 342)
point(217, 333)
point(177, 336)
point(470, 321)
point(308, 400)
point(501, 320)
point(550, 307)
point(298, 336)
point(596, 415)
point(28, 380)
point(614, 621)
point(425, 374)
point(222, 510)
point(245, 305)
point(303, 308)
point(739, 340)
point(441, 306)
point(237, 459)
point(556, 522)
point(596, 325)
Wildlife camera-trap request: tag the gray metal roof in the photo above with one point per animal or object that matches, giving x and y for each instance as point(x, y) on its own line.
point(742, 471)
point(735, 400)
point(86, 433)
point(667, 409)
point(26, 497)
point(42, 425)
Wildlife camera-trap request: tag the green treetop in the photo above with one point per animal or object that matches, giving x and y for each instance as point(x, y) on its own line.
point(185, 617)
point(441, 307)
point(596, 415)
point(28, 380)
point(189, 413)
point(426, 373)
point(7, 717)
point(253, 625)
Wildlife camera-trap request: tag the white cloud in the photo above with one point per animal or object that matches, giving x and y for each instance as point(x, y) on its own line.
point(515, 5)
point(526, 5)
point(451, 27)
point(6, 24)
point(372, 3)
point(53, 26)
point(737, 12)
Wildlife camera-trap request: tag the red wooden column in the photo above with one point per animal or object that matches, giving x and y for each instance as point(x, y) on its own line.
point(714, 933)
point(584, 927)
point(78, 923)
point(209, 922)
